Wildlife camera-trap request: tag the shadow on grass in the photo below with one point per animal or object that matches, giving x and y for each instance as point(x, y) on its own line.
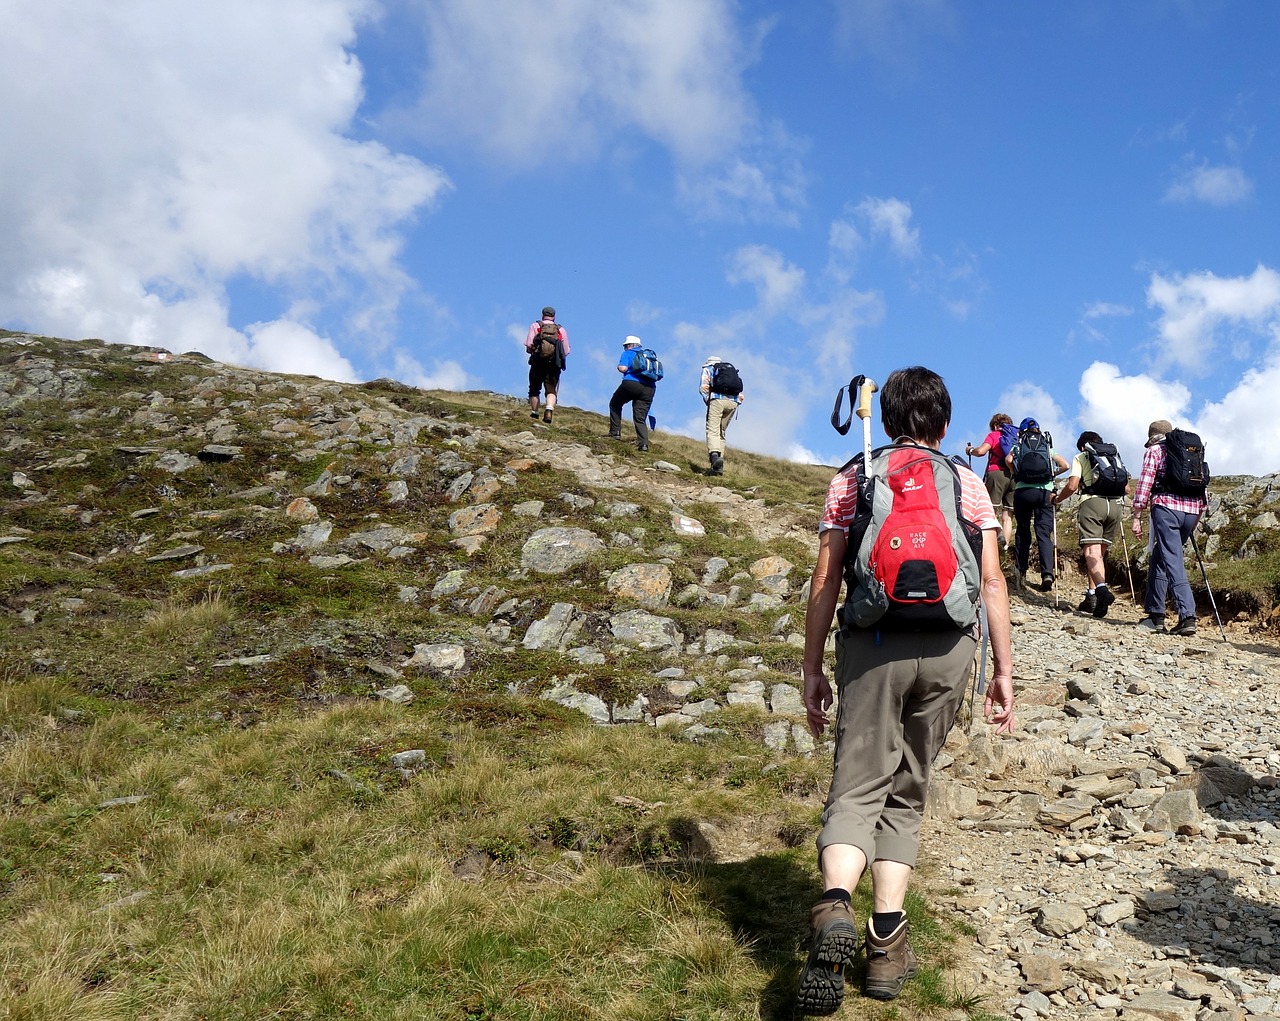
point(765, 900)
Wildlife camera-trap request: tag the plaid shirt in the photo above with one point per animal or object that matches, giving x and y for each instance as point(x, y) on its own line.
point(1152, 469)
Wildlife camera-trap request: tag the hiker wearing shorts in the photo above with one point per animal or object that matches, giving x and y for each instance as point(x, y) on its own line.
point(1033, 501)
point(996, 478)
point(722, 405)
point(635, 391)
point(1173, 519)
point(1098, 522)
point(899, 691)
point(544, 370)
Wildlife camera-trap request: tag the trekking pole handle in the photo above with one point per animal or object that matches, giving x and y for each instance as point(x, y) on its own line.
point(865, 389)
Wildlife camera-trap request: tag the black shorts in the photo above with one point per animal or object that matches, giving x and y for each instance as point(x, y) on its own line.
point(543, 374)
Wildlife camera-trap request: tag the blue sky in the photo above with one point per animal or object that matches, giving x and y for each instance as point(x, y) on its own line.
point(1069, 210)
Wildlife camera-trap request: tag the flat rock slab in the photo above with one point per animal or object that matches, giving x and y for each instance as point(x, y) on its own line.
point(556, 550)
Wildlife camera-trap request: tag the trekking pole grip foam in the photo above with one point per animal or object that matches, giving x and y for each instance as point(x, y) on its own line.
point(865, 390)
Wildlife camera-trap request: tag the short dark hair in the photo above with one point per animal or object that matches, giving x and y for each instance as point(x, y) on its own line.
point(998, 420)
point(1087, 437)
point(914, 402)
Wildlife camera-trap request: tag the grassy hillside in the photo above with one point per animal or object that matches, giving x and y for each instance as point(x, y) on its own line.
point(200, 812)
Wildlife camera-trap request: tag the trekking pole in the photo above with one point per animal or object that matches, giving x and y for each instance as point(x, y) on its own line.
point(1054, 559)
point(1204, 574)
point(866, 387)
point(1124, 541)
point(979, 688)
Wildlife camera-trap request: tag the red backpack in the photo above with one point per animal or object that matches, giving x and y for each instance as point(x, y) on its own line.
point(913, 562)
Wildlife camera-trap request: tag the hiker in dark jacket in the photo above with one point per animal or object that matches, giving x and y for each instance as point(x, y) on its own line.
point(635, 391)
point(1033, 500)
point(545, 369)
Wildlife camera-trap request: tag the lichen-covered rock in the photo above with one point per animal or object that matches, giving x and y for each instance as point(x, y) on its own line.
point(648, 584)
point(556, 550)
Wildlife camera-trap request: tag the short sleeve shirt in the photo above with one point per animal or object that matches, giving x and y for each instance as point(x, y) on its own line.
point(625, 361)
point(842, 500)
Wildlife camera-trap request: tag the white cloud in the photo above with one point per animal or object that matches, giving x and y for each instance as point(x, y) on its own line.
point(543, 82)
point(1119, 408)
point(184, 147)
point(1194, 307)
point(1242, 431)
point(1025, 399)
point(890, 219)
point(1216, 186)
point(776, 281)
point(445, 375)
point(1106, 310)
point(537, 84)
point(890, 30)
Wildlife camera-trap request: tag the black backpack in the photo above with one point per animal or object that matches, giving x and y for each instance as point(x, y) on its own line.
point(1186, 473)
point(1110, 476)
point(725, 380)
point(546, 345)
point(1033, 458)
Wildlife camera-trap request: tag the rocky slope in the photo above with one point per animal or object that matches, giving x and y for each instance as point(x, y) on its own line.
point(1119, 856)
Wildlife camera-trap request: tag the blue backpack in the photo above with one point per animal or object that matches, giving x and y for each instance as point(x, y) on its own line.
point(1008, 438)
point(645, 364)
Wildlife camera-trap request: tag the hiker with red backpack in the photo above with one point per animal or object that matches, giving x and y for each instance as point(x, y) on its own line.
point(996, 446)
point(1034, 464)
point(1100, 474)
point(914, 535)
point(641, 371)
point(547, 344)
point(1173, 482)
point(721, 389)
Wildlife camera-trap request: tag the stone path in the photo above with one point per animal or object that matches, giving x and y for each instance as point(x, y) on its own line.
point(1120, 855)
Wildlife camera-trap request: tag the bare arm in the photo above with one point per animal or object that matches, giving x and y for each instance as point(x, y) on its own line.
point(981, 449)
point(998, 704)
point(824, 592)
point(1068, 488)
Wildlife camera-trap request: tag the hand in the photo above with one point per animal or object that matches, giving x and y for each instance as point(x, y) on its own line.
point(817, 700)
point(1137, 525)
point(997, 706)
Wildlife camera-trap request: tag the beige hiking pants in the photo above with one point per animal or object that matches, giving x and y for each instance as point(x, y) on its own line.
point(719, 413)
point(899, 694)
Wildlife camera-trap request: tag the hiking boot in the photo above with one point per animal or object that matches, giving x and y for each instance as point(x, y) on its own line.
point(615, 436)
point(717, 465)
point(835, 945)
point(1153, 624)
point(1046, 584)
point(1089, 604)
point(642, 447)
point(890, 962)
point(534, 413)
point(546, 416)
point(1186, 627)
point(1104, 598)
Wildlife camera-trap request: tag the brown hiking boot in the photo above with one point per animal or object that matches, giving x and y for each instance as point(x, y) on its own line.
point(890, 962)
point(835, 945)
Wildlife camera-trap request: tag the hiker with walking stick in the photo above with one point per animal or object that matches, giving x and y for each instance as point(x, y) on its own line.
point(914, 534)
point(1173, 482)
point(1100, 473)
point(1034, 464)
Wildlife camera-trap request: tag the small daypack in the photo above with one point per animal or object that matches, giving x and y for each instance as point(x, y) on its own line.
point(547, 343)
point(1033, 458)
point(1186, 473)
point(725, 379)
point(645, 364)
point(1110, 476)
point(913, 560)
point(1008, 440)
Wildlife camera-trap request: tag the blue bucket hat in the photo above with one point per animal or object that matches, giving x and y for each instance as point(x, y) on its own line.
point(1028, 423)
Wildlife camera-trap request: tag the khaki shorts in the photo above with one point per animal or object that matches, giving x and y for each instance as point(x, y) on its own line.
point(1000, 489)
point(1099, 520)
